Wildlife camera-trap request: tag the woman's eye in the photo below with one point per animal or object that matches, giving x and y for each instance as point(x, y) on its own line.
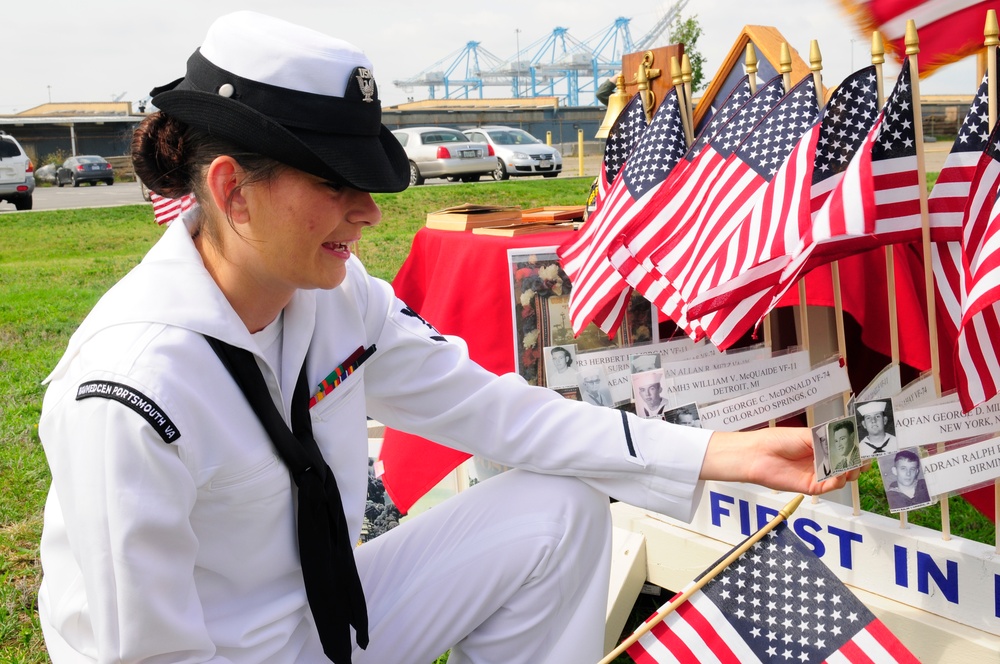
point(333, 186)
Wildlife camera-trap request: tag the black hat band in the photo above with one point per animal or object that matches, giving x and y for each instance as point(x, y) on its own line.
point(290, 108)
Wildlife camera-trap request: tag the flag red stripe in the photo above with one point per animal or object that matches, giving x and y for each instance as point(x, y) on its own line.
point(712, 638)
point(639, 654)
point(674, 643)
point(959, 173)
point(854, 654)
point(950, 204)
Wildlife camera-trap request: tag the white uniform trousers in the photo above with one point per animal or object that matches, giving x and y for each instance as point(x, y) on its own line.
point(515, 569)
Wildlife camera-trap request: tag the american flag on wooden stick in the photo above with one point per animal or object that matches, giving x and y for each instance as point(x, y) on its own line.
point(946, 204)
point(166, 209)
point(630, 251)
point(687, 261)
point(949, 30)
point(677, 214)
point(877, 201)
point(977, 365)
point(628, 127)
point(596, 284)
point(784, 212)
point(777, 602)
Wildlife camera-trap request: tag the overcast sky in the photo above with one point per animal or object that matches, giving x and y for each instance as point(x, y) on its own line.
point(68, 50)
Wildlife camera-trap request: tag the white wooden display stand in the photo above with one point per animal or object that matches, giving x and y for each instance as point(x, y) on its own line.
point(940, 598)
point(670, 554)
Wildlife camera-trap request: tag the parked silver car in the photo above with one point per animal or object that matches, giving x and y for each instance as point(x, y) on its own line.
point(439, 152)
point(17, 179)
point(518, 152)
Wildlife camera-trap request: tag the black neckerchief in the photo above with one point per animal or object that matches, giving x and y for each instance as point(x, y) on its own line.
point(333, 587)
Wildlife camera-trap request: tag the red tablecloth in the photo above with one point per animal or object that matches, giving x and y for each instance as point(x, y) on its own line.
point(460, 283)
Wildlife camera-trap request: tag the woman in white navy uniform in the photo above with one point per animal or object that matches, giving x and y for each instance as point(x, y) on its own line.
point(183, 526)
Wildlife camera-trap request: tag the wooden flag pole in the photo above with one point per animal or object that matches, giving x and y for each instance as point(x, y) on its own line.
point(878, 57)
point(751, 63)
point(785, 67)
point(675, 78)
point(687, 75)
point(912, 49)
point(991, 34)
point(750, 60)
point(816, 67)
point(669, 607)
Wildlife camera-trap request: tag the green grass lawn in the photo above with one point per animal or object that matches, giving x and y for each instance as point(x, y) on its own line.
point(53, 268)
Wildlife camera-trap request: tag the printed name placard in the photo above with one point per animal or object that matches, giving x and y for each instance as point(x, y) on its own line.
point(733, 380)
point(716, 362)
point(617, 367)
point(777, 401)
point(918, 391)
point(962, 467)
point(957, 579)
point(887, 383)
point(943, 420)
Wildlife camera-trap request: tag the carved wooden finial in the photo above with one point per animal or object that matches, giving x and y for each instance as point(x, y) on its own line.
point(911, 40)
point(992, 31)
point(815, 58)
point(751, 59)
point(687, 74)
point(675, 70)
point(786, 59)
point(878, 48)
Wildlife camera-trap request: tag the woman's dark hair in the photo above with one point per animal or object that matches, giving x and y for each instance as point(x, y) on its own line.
point(169, 156)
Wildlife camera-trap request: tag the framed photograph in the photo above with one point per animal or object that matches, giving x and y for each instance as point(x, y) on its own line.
point(649, 394)
point(594, 387)
point(560, 366)
point(821, 452)
point(842, 435)
point(876, 428)
point(642, 362)
point(903, 479)
point(540, 292)
point(686, 415)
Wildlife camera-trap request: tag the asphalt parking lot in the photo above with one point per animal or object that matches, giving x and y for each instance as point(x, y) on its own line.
point(84, 196)
point(128, 193)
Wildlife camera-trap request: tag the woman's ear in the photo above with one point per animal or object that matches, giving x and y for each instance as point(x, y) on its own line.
point(223, 179)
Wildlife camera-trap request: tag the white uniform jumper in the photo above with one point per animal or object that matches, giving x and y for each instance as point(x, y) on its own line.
point(170, 529)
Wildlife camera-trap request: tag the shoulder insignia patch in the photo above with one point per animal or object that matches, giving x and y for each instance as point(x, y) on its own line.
point(436, 336)
point(137, 401)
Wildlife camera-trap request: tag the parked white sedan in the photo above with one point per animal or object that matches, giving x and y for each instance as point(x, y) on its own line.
point(518, 152)
point(439, 152)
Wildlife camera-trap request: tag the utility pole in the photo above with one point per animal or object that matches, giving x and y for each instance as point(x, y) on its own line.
point(517, 74)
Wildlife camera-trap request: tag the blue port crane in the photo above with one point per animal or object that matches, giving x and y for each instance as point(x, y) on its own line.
point(556, 64)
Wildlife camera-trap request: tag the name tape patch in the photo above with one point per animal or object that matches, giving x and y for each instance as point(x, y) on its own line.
point(137, 401)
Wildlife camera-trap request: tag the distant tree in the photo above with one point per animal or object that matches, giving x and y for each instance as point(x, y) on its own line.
point(687, 31)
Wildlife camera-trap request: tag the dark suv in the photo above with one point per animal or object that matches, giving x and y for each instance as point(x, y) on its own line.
point(17, 179)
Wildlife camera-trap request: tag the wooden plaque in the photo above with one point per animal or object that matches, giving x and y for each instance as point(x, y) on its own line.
point(660, 85)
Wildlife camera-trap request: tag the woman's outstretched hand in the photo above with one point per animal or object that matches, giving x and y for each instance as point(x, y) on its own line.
point(779, 458)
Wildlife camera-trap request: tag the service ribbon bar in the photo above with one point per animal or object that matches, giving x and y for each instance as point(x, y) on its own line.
point(337, 376)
